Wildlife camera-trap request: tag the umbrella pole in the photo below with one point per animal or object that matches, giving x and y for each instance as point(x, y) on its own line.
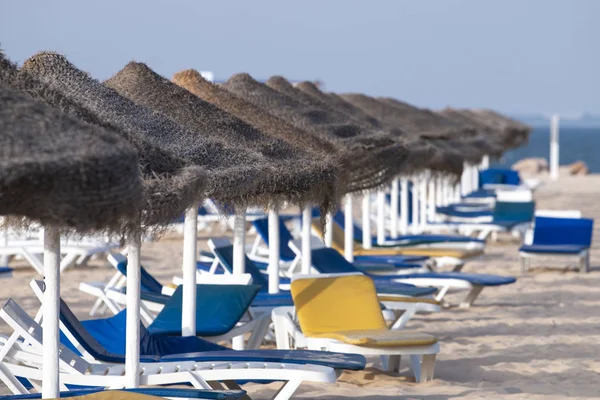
point(439, 191)
point(394, 210)
point(348, 230)
point(404, 217)
point(132, 330)
point(239, 260)
point(274, 255)
point(431, 197)
point(188, 305)
point(239, 242)
point(465, 181)
point(367, 241)
point(329, 230)
point(474, 177)
point(380, 217)
point(485, 163)
point(423, 197)
point(415, 204)
point(50, 323)
point(306, 250)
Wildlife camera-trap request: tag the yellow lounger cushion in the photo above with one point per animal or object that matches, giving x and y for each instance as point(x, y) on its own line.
point(381, 338)
point(115, 395)
point(338, 244)
point(400, 299)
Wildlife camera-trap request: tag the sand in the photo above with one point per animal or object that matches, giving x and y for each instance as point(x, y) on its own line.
point(536, 339)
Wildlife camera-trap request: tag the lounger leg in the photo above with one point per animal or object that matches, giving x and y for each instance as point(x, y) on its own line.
point(394, 363)
point(523, 265)
point(458, 267)
point(440, 295)
point(415, 362)
point(584, 262)
point(403, 319)
point(258, 334)
point(470, 299)
point(11, 381)
point(287, 390)
point(427, 367)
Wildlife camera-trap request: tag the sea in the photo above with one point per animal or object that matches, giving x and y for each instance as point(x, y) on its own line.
point(576, 144)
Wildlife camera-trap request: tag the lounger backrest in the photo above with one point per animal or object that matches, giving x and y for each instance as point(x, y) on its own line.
point(329, 261)
point(149, 284)
point(498, 176)
point(513, 211)
point(262, 228)
point(31, 331)
point(346, 303)
point(225, 256)
point(218, 309)
point(563, 231)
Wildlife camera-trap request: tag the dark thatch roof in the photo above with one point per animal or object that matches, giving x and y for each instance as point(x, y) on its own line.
point(371, 160)
point(426, 154)
point(62, 172)
point(511, 133)
point(171, 184)
point(275, 171)
point(426, 124)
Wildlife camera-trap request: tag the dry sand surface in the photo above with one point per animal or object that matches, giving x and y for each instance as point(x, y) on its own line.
point(536, 339)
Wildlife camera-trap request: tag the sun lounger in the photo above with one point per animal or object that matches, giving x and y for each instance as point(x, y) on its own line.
point(560, 239)
point(343, 313)
point(137, 394)
point(222, 370)
point(329, 261)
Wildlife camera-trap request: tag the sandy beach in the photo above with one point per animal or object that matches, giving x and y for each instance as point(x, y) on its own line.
point(536, 339)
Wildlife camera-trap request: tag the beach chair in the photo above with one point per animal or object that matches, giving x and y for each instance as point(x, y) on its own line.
point(400, 301)
point(343, 313)
point(22, 359)
point(455, 256)
point(138, 394)
point(559, 239)
point(291, 260)
point(418, 241)
point(329, 261)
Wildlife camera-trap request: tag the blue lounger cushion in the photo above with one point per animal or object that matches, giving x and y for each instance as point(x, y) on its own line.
point(329, 261)
point(94, 335)
point(475, 279)
point(157, 392)
point(325, 358)
point(563, 231)
point(262, 228)
point(218, 309)
point(5, 270)
point(553, 249)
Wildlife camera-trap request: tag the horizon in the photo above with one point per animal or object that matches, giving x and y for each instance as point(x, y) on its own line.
point(512, 56)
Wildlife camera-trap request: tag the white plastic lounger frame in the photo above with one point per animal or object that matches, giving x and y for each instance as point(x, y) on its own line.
point(25, 361)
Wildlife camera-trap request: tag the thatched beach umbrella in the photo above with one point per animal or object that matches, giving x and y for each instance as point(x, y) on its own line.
point(172, 184)
point(369, 160)
point(288, 173)
point(67, 175)
point(315, 146)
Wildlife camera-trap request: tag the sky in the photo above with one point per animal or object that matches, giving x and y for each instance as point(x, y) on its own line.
point(515, 56)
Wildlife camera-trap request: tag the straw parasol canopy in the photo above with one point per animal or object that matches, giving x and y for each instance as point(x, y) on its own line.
point(426, 154)
point(370, 159)
point(511, 133)
point(426, 124)
point(171, 184)
point(61, 172)
point(281, 172)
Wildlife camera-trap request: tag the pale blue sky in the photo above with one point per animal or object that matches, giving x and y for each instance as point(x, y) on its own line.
point(511, 55)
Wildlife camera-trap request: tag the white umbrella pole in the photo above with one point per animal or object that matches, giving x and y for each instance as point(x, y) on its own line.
point(329, 230)
point(50, 323)
point(132, 330)
point(394, 209)
point(457, 192)
point(239, 260)
point(474, 177)
point(465, 181)
point(423, 197)
point(416, 189)
point(306, 261)
point(273, 251)
point(367, 240)
point(404, 206)
point(239, 242)
point(380, 217)
point(188, 306)
point(439, 191)
point(485, 163)
point(349, 230)
point(431, 198)
point(554, 147)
